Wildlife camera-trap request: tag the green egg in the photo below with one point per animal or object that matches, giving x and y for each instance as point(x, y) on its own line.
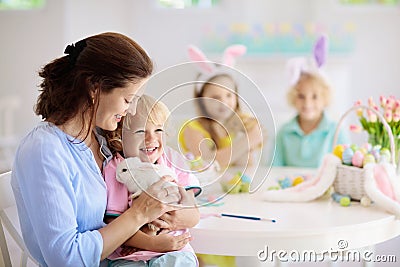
point(345, 201)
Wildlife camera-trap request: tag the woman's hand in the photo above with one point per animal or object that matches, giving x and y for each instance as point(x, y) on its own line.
point(146, 208)
point(157, 199)
point(186, 217)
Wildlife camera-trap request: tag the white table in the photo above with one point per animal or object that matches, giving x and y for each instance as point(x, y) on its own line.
point(320, 225)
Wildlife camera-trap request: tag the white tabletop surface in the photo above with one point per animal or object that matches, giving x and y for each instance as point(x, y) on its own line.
point(318, 225)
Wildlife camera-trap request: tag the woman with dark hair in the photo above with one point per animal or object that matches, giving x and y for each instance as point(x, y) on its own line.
point(57, 173)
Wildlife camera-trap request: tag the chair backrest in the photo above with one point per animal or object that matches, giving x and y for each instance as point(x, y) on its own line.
point(8, 137)
point(7, 201)
point(8, 106)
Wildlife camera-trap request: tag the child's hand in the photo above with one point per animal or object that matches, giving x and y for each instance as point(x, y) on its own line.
point(165, 242)
point(149, 229)
point(256, 137)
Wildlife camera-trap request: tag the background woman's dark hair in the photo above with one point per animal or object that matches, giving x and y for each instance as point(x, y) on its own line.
point(104, 61)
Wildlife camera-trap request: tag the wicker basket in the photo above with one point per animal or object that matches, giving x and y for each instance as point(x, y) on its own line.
point(350, 179)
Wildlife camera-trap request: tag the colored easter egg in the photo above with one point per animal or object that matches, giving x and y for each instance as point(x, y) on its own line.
point(376, 153)
point(285, 182)
point(245, 187)
point(273, 187)
point(369, 158)
point(385, 152)
point(236, 179)
point(235, 189)
point(245, 178)
point(376, 147)
point(230, 188)
point(338, 151)
point(365, 201)
point(354, 147)
point(336, 196)
point(345, 201)
point(358, 159)
point(363, 150)
point(297, 180)
point(347, 156)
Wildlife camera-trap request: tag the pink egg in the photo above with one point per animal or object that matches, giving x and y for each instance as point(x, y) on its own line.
point(357, 159)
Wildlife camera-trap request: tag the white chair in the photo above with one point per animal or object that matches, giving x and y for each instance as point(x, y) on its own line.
point(9, 106)
point(7, 201)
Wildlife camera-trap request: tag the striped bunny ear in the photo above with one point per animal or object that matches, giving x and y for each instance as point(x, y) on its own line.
point(294, 68)
point(231, 52)
point(321, 50)
point(203, 63)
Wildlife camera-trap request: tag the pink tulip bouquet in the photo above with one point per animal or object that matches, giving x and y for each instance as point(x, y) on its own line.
point(377, 134)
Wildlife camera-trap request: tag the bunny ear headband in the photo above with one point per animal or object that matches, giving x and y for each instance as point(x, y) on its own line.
point(209, 69)
point(299, 65)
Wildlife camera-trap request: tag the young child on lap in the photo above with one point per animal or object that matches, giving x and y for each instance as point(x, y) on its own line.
point(143, 137)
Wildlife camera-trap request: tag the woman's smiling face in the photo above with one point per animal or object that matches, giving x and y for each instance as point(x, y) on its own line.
point(116, 104)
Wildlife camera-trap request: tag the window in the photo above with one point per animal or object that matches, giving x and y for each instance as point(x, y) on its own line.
point(21, 4)
point(369, 2)
point(180, 4)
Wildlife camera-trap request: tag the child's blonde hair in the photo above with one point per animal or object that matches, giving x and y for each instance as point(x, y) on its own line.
point(310, 78)
point(147, 107)
point(152, 110)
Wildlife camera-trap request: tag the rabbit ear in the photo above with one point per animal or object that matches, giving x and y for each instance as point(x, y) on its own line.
point(294, 68)
point(321, 50)
point(231, 52)
point(196, 55)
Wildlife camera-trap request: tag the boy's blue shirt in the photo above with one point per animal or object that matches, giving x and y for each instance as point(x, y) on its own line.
point(294, 148)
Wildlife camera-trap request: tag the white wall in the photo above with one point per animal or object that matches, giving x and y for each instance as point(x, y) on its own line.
point(32, 38)
point(28, 40)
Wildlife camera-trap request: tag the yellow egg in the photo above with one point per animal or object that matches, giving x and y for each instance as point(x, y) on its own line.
point(297, 180)
point(363, 150)
point(338, 151)
point(235, 179)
